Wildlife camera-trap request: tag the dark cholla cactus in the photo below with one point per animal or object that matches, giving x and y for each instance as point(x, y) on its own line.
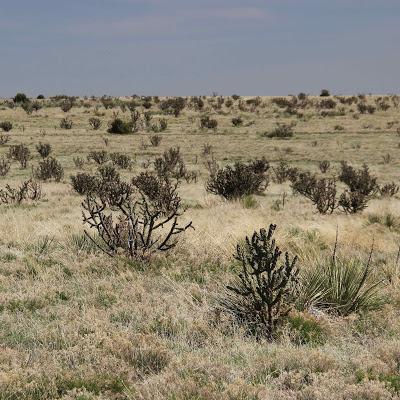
point(49, 168)
point(264, 293)
point(389, 190)
point(20, 153)
point(240, 180)
point(322, 192)
point(99, 157)
point(44, 149)
point(130, 223)
point(324, 165)
point(358, 180)
point(84, 183)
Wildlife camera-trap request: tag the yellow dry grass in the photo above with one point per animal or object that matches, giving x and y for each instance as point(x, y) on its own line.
point(75, 324)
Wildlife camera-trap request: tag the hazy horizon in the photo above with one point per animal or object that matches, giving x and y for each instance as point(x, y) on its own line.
point(154, 47)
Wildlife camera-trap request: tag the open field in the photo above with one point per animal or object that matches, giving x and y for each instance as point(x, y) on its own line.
point(78, 324)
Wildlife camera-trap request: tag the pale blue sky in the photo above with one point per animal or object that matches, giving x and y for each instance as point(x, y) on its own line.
point(184, 47)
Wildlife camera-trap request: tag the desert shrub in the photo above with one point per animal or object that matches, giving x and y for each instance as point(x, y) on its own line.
point(79, 162)
point(4, 138)
point(353, 202)
point(324, 166)
point(49, 168)
point(29, 190)
point(163, 124)
point(389, 190)
point(121, 160)
point(359, 181)
point(237, 121)
point(4, 166)
point(95, 123)
point(265, 290)
point(173, 106)
point(99, 157)
point(283, 172)
point(66, 123)
point(6, 126)
point(160, 191)
point(208, 123)
point(40, 97)
point(281, 131)
point(341, 285)
point(19, 153)
point(27, 107)
point(155, 140)
point(283, 102)
point(119, 126)
point(20, 98)
point(302, 96)
point(324, 93)
point(365, 108)
point(44, 149)
point(66, 105)
point(170, 164)
point(329, 104)
point(322, 192)
point(239, 180)
point(84, 183)
point(132, 224)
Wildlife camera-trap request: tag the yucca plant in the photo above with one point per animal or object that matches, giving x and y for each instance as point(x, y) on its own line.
point(341, 286)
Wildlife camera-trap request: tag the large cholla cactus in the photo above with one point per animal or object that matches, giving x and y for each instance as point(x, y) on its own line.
point(133, 223)
point(263, 295)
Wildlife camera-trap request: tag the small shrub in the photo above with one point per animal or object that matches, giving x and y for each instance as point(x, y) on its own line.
point(155, 140)
point(27, 107)
point(208, 123)
point(66, 105)
point(325, 93)
point(237, 121)
point(95, 123)
point(29, 190)
point(264, 294)
point(281, 131)
point(389, 190)
point(79, 162)
point(84, 183)
point(99, 157)
point(322, 192)
point(121, 160)
point(20, 98)
point(173, 106)
point(6, 126)
point(44, 149)
point(283, 172)
point(4, 138)
point(119, 126)
point(5, 166)
point(240, 180)
point(359, 181)
point(19, 153)
point(170, 164)
point(324, 166)
point(66, 123)
point(49, 168)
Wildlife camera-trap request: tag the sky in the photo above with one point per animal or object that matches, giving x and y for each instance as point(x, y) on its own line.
point(185, 47)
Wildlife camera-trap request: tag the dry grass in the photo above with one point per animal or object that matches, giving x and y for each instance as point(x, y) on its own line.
point(75, 324)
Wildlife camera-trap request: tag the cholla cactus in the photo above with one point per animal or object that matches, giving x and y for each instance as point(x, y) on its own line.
point(263, 295)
